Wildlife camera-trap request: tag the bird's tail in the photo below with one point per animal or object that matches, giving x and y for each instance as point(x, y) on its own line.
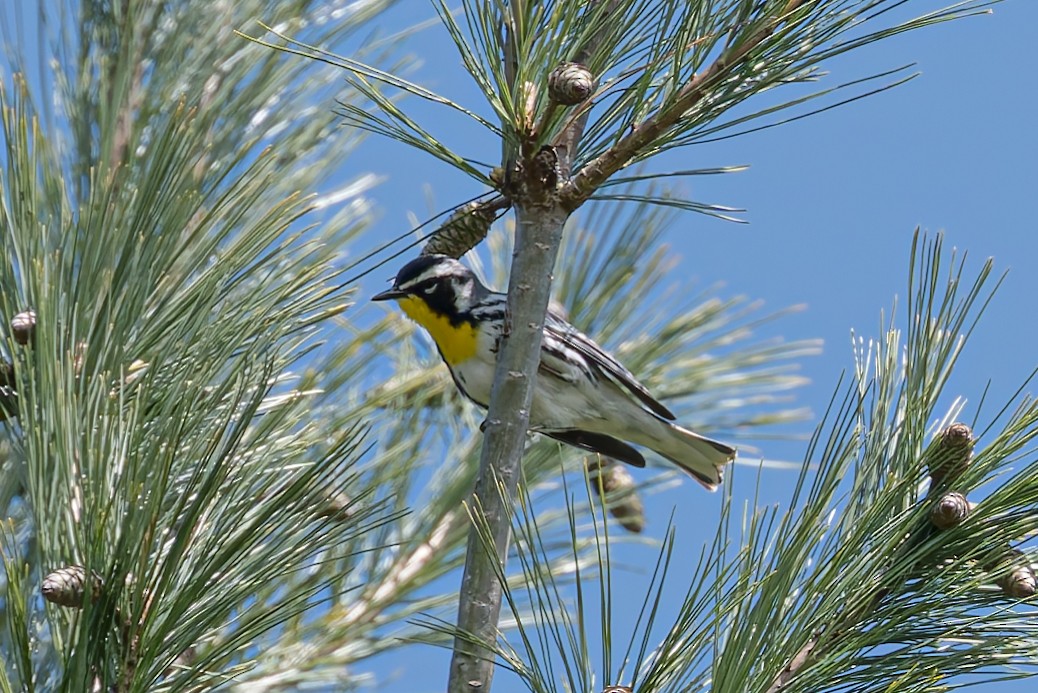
point(704, 459)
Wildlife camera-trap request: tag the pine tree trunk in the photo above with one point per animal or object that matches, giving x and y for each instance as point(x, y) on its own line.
point(538, 235)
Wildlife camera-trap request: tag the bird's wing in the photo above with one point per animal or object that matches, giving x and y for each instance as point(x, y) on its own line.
point(570, 354)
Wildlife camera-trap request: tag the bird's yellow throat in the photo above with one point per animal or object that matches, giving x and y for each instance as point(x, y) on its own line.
point(456, 342)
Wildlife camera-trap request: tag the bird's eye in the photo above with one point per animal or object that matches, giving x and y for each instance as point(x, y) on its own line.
point(429, 290)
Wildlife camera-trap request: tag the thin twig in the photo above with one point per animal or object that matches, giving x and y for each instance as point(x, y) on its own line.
point(566, 142)
point(406, 568)
point(131, 101)
point(812, 649)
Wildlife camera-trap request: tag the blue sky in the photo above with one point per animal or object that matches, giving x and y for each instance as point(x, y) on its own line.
point(832, 202)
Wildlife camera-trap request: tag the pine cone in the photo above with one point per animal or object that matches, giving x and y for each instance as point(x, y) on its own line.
point(953, 453)
point(950, 510)
point(1019, 583)
point(612, 479)
point(570, 84)
point(65, 586)
point(1016, 578)
point(462, 231)
point(23, 327)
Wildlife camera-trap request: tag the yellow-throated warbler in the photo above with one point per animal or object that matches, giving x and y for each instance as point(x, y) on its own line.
point(583, 395)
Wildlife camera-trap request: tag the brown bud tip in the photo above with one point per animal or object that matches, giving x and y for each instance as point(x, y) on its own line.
point(612, 479)
point(958, 435)
point(953, 453)
point(65, 586)
point(617, 689)
point(1019, 583)
point(570, 84)
point(950, 510)
point(23, 327)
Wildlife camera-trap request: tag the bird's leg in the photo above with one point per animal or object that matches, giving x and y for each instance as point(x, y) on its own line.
point(488, 422)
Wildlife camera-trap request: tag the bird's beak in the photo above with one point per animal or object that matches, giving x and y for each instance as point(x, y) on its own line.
point(389, 294)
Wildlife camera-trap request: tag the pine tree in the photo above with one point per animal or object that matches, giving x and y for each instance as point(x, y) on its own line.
point(204, 487)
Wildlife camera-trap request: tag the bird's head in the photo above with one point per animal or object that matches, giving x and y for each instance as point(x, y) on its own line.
point(436, 285)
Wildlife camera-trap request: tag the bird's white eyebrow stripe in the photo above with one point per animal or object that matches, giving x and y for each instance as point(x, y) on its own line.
point(434, 272)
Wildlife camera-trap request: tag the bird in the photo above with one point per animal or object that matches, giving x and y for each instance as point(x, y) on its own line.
point(583, 395)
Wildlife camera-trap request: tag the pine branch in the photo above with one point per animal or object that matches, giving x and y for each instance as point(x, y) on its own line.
point(159, 438)
point(867, 579)
point(428, 444)
point(164, 478)
point(594, 173)
point(946, 462)
point(656, 76)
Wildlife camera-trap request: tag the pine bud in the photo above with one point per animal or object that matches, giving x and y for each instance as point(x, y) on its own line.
point(953, 454)
point(612, 479)
point(617, 689)
point(950, 510)
point(65, 586)
point(23, 327)
point(570, 84)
